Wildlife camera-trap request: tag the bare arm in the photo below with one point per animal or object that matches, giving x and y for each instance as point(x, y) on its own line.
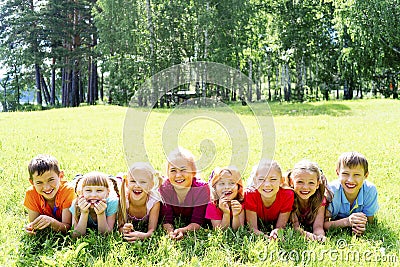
point(280, 224)
point(226, 216)
point(38, 222)
point(81, 225)
point(132, 236)
point(105, 224)
point(356, 220)
point(237, 214)
point(251, 218)
point(318, 226)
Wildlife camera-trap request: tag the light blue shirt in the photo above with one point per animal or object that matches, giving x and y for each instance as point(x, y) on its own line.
point(366, 201)
point(112, 208)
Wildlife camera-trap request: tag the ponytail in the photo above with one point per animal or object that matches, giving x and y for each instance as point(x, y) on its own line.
point(122, 214)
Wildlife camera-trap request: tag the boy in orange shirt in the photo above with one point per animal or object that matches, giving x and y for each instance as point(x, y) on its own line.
point(49, 198)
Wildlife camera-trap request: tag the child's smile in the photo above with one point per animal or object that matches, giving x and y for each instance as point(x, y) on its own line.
point(226, 187)
point(93, 194)
point(46, 184)
point(180, 172)
point(351, 178)
point(268, 182)
point(139, 183)
point(305, 184)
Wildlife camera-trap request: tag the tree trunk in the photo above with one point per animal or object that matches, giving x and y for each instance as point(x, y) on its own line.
point(45, 90)
point(53, 84)
point(38, 85)
point(250, 84)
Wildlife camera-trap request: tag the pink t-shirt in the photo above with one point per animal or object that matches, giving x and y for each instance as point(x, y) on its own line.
point(282, 204)
point(215, 213)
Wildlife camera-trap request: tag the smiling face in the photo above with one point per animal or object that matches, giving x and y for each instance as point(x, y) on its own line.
point(94, 193)
point(181, 172)
point(139, 183)
point(226, 187)
point(47, 184)
point(351, 179)
point(267, 182)
point(305, 183)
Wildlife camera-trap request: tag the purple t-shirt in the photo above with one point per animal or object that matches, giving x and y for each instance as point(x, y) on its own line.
point(194, 206)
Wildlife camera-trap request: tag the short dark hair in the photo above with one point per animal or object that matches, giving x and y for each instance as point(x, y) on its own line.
point(41, 164)
point(351, 160)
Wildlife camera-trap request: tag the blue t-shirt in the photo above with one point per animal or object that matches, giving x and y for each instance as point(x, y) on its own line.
point(112, 208)
point(366, 201)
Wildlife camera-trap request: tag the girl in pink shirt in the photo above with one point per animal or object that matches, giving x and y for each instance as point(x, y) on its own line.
point(311, 192)
point(225, 208)
point(266, 201)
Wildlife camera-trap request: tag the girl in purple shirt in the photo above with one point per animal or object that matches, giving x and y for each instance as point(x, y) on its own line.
point(184, 195)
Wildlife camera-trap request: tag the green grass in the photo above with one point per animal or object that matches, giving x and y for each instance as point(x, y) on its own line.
point(91, 138)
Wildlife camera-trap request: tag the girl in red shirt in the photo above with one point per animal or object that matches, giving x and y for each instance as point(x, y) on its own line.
point(311, 192)
point(266, 200)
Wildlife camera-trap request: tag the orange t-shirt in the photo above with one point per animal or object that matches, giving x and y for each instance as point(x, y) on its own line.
point(64, 197)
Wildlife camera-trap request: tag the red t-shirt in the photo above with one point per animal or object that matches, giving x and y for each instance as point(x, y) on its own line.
point(282, 204)
point(64, 197)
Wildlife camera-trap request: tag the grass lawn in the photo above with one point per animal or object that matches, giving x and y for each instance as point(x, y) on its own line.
point(91, 138)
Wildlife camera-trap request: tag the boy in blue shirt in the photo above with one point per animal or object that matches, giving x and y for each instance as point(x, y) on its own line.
point(355, 200)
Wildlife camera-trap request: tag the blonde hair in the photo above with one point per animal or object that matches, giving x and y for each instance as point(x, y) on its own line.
point(181, 152)
point(268, 164)
point(217, 174)
point(124, 199)
point(94, 178)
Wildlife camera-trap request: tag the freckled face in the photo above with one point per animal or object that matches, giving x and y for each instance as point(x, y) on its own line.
point(47, 184)
point(180, 172)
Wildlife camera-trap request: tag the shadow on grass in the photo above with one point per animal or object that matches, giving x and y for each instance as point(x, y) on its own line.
point(277, 109)
point(310, 109)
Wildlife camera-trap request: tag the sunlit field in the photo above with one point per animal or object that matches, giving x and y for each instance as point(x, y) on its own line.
point(91, 138)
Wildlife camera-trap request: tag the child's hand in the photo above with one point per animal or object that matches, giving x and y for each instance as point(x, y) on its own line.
point(224, 205)
point(29, 229)
point(127, 228)
point(358, 229)
point(100, 206)
point(319, 238)
point(358, 222)
point(358, 218)
point(236, 207)
point(83, 204)
point(177, 234)
point(275, 234)
point(40, 222)
point(133, 236)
